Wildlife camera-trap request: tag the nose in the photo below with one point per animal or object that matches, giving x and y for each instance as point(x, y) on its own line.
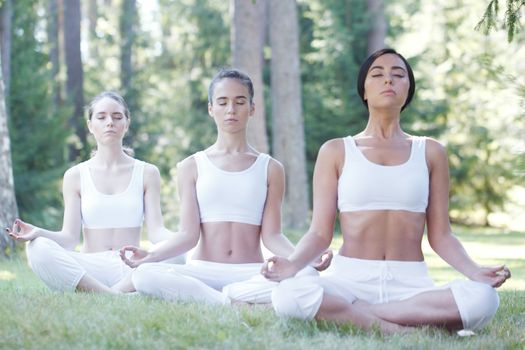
point(388, 79)
point(230, 108)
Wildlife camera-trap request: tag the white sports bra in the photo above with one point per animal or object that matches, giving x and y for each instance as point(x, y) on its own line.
point(364, 185)
point(121, 210)
point(237, 196)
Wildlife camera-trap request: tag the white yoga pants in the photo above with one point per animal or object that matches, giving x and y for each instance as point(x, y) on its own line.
point(379, 281)
point(61, 269)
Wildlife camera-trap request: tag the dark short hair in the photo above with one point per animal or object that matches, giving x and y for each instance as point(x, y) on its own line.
point(231, 73)
point(112, 95)
point(363, 71)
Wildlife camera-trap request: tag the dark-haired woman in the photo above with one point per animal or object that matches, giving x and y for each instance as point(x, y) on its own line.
point(387, 185)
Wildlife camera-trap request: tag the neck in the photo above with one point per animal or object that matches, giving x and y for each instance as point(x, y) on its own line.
point(110, 155)
point(232, 143)
point(383, 124)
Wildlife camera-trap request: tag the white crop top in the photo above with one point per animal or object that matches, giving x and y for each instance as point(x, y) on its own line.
point(121, 210)
point(364, 185)
point(237, 196)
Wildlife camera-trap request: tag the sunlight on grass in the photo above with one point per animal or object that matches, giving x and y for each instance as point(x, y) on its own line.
point(7, 275)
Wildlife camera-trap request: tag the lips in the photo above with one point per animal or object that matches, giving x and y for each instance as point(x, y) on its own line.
point(388, 92)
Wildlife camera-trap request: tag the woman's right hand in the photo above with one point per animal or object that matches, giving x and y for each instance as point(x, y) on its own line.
point(278, 268)
point(22, 231)
point(137, 257)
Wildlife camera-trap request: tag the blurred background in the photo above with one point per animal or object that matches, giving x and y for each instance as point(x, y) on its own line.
point(303, 56)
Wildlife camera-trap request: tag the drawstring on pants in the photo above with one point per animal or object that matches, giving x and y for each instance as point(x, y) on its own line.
point(384, 276)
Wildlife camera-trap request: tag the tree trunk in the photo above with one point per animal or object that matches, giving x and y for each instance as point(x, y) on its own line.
point(378, 25)
point(128, 20)
point(247, 41)
point(8, 209)
point(5, 49)
point(127, 32)
point(92, 11)
point(75, 75)
point(54, 53)
point(287, 119)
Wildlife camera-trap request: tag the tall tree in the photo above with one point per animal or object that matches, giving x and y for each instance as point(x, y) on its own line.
point(8, 209)
point(54, 51)
point(332, 50)
point(128, 20)
point(37, 132)
point(287, 118)
point(378, 25)
point(92, 15)
point(5, 48)
point(248, 31)
point(75, 75)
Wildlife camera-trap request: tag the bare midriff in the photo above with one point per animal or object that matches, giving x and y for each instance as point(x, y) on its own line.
point(382, 235)
point(97, 240)
point(229, 243)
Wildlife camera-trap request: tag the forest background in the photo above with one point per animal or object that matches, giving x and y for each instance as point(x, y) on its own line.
point(303, 57)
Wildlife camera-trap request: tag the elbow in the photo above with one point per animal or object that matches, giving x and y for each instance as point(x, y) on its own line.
point(71, 244)
point(191, 237)
point(322, 239)
point(156, 237)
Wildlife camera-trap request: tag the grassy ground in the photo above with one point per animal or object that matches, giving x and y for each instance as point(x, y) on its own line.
point(31, 317)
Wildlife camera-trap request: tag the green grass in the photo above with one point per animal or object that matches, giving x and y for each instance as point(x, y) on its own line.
point(31, 317)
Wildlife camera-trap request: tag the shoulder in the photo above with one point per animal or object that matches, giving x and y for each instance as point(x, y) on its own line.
point(434, 150)
point(188, 162)
point(187, 166)
point(332, 151)
point(72, 177)
point(151, 173)
point(73, 173)
point(332, 146)
point(275, 168)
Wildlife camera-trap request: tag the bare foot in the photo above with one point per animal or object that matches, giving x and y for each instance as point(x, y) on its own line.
point(385, 327)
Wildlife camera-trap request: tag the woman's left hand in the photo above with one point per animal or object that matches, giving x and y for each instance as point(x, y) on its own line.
point(324, 261)
point(137, 257)
point(492, 275)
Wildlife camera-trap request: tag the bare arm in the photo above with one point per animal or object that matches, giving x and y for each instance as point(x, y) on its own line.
point(69, 236)
point(320, 234)
point(189, 229)
point(157, 232)
point(271, 234)
point(440, 236)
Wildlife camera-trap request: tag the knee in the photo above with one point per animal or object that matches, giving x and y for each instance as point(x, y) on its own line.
point(145, 278)
point(477, 303)
point(40, 251)
point(296, 298)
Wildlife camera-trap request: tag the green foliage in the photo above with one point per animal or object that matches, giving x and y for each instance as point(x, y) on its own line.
point(332, 49)
point(193, 45)
point(466, 98)
point(511, 20)
point(37, 135)
point(462, 98)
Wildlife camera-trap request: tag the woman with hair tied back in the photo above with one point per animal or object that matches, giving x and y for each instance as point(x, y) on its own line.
point(230, 201)
point(107, 197)
point(388, 185)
